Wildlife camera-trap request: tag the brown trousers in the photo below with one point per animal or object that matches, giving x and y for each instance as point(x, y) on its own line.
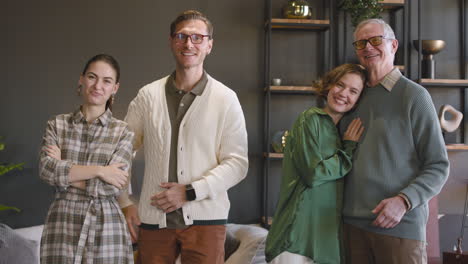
point(196, 244)
point(362, 247)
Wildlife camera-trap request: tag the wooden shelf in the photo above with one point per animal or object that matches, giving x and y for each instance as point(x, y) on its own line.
point(294, 89)
point(310, 24)
point(392, 4)
point(444, 82)
point(457, 147)
point(273, 155)
point(270, 220)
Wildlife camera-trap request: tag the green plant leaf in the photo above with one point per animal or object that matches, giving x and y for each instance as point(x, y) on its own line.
point(360, 10)
point(4, 169)
point(5, 208)
point(9, 167)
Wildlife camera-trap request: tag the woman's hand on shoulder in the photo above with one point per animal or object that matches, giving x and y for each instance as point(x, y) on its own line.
point(354, 130)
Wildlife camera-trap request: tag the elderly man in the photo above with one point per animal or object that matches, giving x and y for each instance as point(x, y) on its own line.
point(193, 131)
point(401, 162)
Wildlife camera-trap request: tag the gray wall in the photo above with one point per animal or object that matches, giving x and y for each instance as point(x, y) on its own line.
point(45, 44)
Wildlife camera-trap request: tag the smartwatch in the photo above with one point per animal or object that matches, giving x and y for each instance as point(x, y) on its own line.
point(190, 192)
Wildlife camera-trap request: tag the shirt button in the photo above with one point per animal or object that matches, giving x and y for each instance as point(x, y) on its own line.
point(188, 216)
point(180, 92)
point(181, 172)
point(181, 105)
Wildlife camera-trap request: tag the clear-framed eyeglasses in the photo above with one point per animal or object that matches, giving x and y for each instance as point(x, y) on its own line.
point(195, 38)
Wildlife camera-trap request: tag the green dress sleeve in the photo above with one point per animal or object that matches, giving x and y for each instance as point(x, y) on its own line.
point(316, 150)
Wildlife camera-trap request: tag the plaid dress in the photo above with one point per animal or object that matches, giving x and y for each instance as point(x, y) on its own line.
point(85, 226)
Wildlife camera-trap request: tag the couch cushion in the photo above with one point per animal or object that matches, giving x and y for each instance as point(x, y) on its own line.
point(16, 249)
point(231, 244)
point(251, 248)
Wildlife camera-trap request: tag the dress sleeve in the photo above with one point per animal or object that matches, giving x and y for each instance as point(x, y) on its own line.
point(54, 172)
point(306, 149)
point(122, 154)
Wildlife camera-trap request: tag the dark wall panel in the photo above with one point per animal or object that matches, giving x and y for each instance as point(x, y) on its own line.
point(45, 44)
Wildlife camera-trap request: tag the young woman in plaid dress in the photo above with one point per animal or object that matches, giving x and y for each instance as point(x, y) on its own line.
point(85, 156)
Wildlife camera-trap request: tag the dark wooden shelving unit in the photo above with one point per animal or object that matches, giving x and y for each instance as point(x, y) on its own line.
point(461, 83)
point(322, 25)
point(308, 24)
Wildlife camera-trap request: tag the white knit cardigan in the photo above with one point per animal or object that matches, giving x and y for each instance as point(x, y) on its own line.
point(212, 150)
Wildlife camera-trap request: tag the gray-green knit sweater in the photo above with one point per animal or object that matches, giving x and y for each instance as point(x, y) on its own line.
point(401, 150)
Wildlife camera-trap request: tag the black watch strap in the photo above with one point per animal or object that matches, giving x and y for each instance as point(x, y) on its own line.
point(190, 192)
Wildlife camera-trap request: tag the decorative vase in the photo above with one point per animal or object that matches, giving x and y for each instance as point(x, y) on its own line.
point(429, 49)
point(299, 9)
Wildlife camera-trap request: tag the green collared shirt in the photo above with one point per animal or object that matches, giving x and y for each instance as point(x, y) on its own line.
point(178, 102)
point(308, 216)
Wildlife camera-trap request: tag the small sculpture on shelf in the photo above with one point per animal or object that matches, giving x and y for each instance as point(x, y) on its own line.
point(299, 9)
point(276, 81)
point(278, 141)
point(429, 49)
point(449, 125)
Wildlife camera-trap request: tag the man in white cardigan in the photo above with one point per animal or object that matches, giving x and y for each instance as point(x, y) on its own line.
point(193, 131)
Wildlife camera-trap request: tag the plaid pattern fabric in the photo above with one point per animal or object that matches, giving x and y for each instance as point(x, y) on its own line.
point(85, 226)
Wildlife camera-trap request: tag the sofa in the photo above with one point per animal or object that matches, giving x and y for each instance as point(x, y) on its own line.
point(20, 246)
point(246, 241)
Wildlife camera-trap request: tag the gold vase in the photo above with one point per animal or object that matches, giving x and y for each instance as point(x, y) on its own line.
point(299, 9)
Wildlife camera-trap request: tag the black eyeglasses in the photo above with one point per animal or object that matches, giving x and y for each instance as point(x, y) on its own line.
point(195, 38)
point(362, 43)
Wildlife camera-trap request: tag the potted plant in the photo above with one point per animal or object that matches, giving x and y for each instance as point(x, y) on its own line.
point(4, 169)
point(360, 10)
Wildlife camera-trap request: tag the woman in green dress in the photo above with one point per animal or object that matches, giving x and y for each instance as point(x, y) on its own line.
point(306, 225)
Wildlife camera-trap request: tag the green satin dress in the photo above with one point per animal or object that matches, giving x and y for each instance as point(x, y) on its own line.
point(308, 216)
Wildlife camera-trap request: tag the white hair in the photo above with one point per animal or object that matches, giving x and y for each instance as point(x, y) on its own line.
point(387, 30)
